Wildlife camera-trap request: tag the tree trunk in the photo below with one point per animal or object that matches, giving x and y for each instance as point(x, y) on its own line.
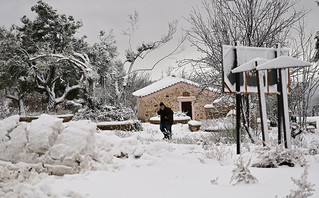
point(18, 99)
point(22, 111)
point(51, 104)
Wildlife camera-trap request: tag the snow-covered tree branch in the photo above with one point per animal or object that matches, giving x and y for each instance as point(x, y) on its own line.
point(48, 70)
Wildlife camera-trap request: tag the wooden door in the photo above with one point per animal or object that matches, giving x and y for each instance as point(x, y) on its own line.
point(187, 108)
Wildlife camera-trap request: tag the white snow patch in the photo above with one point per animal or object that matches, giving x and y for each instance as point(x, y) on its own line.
point(208, 106)
point(250, 65)
point(194, 123)
point(141, 164)
point(43, 132)
point(231, 113)
point(175, 117)
point(7, 125)
point(283, 62)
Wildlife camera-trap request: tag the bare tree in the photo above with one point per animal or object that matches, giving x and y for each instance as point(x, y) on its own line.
point(251, 22)
point(304, 81)
point(145, 48)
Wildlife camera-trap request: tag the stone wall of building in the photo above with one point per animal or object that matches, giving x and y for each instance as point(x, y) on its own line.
point(220, 108)
point(148, 105)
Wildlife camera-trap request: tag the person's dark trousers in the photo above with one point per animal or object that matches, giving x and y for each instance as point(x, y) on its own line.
point(166, 129)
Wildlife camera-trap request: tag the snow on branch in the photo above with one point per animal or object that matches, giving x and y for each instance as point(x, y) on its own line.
point(48, 80)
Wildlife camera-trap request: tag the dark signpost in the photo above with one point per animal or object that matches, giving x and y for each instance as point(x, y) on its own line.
point(270, 66)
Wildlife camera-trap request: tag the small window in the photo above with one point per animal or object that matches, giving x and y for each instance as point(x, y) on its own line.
point(186, 93)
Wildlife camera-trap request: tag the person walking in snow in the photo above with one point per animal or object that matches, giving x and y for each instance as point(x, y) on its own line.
point(166, 114)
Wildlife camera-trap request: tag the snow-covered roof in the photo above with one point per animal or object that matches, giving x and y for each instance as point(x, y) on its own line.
point(250, 65)
point(283, 62)
point(162, 84)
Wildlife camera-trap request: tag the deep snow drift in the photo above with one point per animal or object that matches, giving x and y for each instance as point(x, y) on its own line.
point(136, 164)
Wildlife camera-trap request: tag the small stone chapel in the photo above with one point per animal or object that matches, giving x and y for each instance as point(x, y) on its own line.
point(177, 93)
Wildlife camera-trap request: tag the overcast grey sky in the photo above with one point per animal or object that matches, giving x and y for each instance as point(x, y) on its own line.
point(105, 15)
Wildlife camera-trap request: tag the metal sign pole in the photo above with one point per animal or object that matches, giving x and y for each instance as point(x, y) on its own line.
point(279, 99)
point(238, 102)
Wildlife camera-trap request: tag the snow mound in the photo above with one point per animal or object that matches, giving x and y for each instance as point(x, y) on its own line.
point(48, 145)
point(43, 133)
point(8, 125)
point(74, 143)
point(194, 123)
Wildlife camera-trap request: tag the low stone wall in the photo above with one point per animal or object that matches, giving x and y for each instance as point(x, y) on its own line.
point(174, 122)
point(218, 111)
point(194, 125)
point(120, 125)
point(193, 128)
point(66, 118)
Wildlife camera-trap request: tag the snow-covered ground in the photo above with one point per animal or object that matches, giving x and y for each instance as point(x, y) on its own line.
point(135, 164)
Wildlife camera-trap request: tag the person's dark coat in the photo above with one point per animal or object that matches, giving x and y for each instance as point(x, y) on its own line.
point(166, 115)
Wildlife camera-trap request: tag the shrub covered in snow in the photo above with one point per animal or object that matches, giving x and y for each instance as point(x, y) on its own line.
point(279, 156)
point(220, 124)
point(220, 152)
point(241, 174)
point(314, 147)
point(304, 188)
point(105, 113)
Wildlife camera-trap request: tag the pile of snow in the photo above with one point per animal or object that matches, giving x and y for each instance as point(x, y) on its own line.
point(217, 100)
point(113, 163)
point(48, 144)
point(231, 113)
point(314, 119)
point(208, 106)
point(194, 123)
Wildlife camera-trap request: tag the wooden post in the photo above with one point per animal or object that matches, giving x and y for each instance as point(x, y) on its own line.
point(262, 105)
point(248, 110)
point(284, 95)
point(238, 102)
point(279, 99)
point(279, 108)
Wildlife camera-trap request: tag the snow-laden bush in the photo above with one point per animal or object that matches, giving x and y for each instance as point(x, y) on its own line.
point(180, 114)
point(105, 113)
point(304, 188)
point(214, 181)
point(187, 139)
point(218, 151)
point(241, 174)
point(223, 130)
point(279, 156)
point(219, 124)
point(314, 147)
